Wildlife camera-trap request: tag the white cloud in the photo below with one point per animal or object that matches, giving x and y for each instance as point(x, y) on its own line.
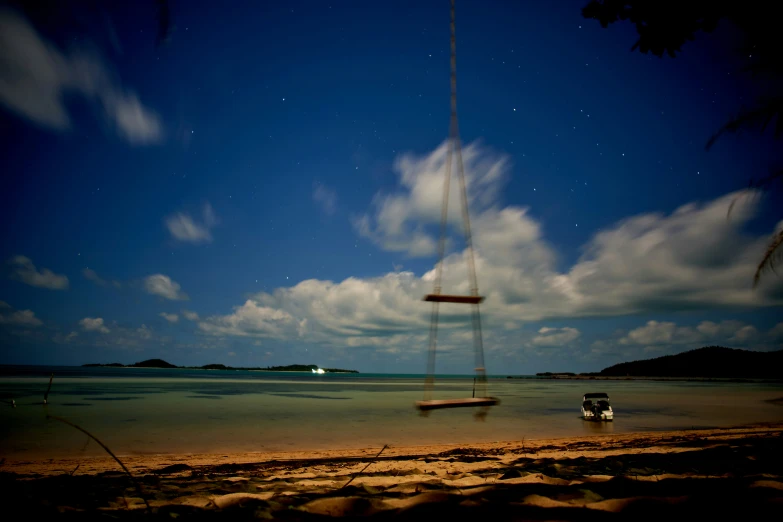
point(403, 222)
point(117, 337)
point(556, 336)
point(164, 286)
point(172, 318)
point(326, 197)
point(731, 333)
point(745, 335)
point(776, 333)
point(92, 275)
point(190, 316)
point(20, 318)
point(93, 324)
point(62, 338)
point(693, 258)
point(26, 272)
point(143, 332)
point(657, 333)
point(252, 320)
point(186, 229)
point(135, 123)
point(36, 77)
point(3, 304)
point(723, 329)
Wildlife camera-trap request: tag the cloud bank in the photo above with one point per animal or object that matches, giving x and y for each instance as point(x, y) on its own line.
point(692, 258)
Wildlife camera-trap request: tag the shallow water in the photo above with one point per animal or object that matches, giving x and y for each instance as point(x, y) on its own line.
point(137, 411)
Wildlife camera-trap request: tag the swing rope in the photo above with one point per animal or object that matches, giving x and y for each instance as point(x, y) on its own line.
point(455, 145)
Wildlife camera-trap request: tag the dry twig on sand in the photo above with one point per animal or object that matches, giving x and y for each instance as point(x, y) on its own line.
point(367, 466)
point(102, 445)
point(46, 395)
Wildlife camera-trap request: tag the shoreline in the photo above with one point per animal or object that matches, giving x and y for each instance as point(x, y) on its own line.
point(758, 380)
point(639, 476)
point(552, 447)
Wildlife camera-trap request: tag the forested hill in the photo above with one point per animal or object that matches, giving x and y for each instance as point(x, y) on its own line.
point(160, 363)
point(711, 361)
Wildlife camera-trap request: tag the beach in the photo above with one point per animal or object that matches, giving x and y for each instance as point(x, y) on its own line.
point(302, 447)
point(715, 472)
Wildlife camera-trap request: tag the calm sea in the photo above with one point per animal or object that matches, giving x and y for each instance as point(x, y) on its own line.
point(148, 411)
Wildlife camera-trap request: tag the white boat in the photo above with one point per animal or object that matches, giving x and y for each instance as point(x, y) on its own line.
point(595, 406)
point(319, 370)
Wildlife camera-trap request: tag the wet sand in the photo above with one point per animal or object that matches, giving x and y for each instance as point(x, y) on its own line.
point(704, 473)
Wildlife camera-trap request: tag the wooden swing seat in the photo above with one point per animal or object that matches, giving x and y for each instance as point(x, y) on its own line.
point(461, 299)
point(440, 404)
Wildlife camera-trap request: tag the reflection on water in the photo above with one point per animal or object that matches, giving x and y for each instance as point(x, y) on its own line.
point(177, 412)
point(597, 427)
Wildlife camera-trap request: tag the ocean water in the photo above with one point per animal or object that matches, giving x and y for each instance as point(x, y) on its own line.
point(151, 411)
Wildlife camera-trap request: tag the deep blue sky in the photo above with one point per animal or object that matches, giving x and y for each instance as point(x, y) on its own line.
point(273, 127)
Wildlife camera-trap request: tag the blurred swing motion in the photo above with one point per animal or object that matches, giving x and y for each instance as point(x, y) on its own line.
point(480, 383)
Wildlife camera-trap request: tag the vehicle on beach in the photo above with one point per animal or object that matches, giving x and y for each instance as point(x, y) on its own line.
point(596, 407)
point(319, 370)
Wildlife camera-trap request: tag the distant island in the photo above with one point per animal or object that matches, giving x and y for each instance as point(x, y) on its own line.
point(710, 362)
point(160, 363)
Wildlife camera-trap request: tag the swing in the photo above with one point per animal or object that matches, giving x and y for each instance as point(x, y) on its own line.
point(483, 401)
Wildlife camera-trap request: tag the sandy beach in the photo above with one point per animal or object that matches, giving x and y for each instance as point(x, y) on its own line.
point(713, 472)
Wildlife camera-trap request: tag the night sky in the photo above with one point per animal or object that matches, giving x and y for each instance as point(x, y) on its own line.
point(264, 187)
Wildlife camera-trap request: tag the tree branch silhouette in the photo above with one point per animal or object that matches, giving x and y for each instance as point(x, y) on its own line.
point(664, 26)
